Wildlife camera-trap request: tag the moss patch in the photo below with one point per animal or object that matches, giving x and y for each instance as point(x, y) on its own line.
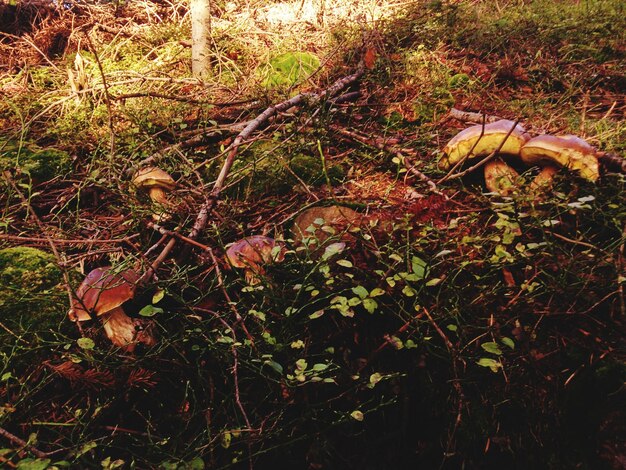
point(31, 293)
point(40, 164)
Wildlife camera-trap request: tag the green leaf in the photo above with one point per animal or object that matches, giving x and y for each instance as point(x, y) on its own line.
point(345, 263)
point(375, 378)
point(320, 367)
point(85, 343)
point(33, 464)
point(492, 348)
point(508, 342)
point(491, 363)
point(275, 365)
point(316, 314)
point(333, 249)
point(150, 311)
point(419, 267)
point(408, 291)
point(158, 296)
point(377, 291)
point(370, 305)
point(360, 291)
point(358, 415)
point(452, 327)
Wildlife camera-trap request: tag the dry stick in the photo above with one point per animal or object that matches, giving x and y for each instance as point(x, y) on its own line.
point(206, 208)
point(68, 241)
point(60, 262)
point(408, 164)
point(180, 236)
point(203, 214)
point(484, 160)
point(220, 281)
point(22, 443)
point(469, 116)
point(193, 141)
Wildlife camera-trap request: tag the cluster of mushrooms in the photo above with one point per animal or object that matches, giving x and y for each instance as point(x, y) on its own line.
point(105, 290)
point(511, 141)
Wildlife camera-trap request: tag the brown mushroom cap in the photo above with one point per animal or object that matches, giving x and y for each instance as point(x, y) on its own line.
point(333, 216)
point(483, 141)
point(568, 151)
point(153, 177)
point(102, 291)
point(252, 252)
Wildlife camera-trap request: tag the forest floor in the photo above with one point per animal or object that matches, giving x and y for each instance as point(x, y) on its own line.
point(433, 323)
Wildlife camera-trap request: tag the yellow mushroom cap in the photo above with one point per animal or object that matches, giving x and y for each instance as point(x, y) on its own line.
point(568, 151)
point(102, 291)
point(153, 177)
point(479, 140)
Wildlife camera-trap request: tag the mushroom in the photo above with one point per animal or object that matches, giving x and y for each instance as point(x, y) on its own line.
point(252, 253)
point(568, 151)
point(544, 179)
point(500, 178)
point(158, 183)
point(478, 141)
point(101, 294)
point(321, 218)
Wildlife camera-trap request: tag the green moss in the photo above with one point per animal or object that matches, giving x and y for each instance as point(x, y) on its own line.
point(289, 68)
point(310, 170)
point(31, 288)
point(40, 164)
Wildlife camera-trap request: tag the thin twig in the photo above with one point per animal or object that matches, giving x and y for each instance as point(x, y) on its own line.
point(107, 98)
point(469, 116)
point(484, 160)
point(42, 228)
point(456, 379)
point(68, 241)
point(22, 443)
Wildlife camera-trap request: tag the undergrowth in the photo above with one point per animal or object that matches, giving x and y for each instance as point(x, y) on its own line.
point(451, 329)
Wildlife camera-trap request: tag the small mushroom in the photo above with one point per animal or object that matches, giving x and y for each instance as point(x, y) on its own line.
point(568, 151)
point(101, 294)
point(500, 178)
point(317, 221)
point(483, 142)
point(544, 179)
point(252, 253)
point(157, 182)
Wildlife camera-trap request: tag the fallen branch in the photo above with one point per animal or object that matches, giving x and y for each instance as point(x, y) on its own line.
point(469, 116)
point(203, 214)
point(311, 98)
point(23, 444)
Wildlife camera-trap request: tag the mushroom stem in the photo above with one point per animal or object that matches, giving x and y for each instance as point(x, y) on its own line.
point(253, 275)
point(157, 195)
point(119, 328)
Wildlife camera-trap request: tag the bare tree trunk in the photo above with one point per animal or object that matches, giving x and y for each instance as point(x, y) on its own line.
point(200, 37)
